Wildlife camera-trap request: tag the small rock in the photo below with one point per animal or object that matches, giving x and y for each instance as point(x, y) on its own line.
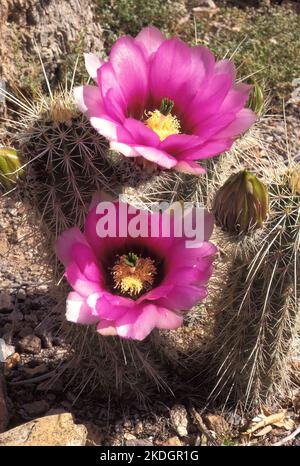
point(5, 350)
point(30, 344)
point(218, 424)
point(3, 404)
point(172, 442)
point(36, 408)
point(178, 416)
point(128, 436)
point(138, 442)
point(6, 302)
point(55, 430)
point(139, 428)
point(12, 361)
point(205, 7)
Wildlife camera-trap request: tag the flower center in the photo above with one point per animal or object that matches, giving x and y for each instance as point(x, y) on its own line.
point(162, 122)
point(133, 274)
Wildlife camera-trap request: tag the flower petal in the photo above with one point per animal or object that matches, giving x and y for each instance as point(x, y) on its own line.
point(106, 328)
point(168, 71)
point(187, 166)
point(92, 63)
point(244, 119)
point(226, 67)
point(160, 157)
point(125, 149)
point(79, 282)
point(65, 243)
point(78, 311)
point(140, 133)
point(209, 149)
point(139, 323)
point(149, 39)
point(113, 98)
point(88, 100)
point(105, 126)
point(131, 70)
point(185, 297)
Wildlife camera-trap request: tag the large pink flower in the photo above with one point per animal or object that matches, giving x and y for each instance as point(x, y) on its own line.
point(128, 286)
point(160, 100)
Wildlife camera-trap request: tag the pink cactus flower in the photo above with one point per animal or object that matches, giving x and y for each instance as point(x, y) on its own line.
point(129, 286)
point(160, 101)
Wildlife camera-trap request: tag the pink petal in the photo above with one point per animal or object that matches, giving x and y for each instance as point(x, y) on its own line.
point(108, 311)
point(187, 166)
point(106, 328)
point(226, 67)
point(244, 119)
point(209, 149)
point(213, 124)
point(106, 127)
point(137, 324)
point(65, 243)
point(184, 298)
point(168, 320)
point(113, 98)
point(236, 98)
point(203, 63)
point(157, 293)
point(177, 143)
point(92, 64)
point(87, 262)
point(88, 100)
point(168, 71)
point(131, 71)
point(184, 256)
point(207, 101)
point(149, 39)
point(157, 156)
point(78, 311)
point(140, 133)
point(125, 149)
point(79, 282)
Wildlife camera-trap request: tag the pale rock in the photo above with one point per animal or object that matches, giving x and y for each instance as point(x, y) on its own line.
point(5, 350)
point(30, 344)
point(172, 442)
point(139, 442)
point(55, 430)
point(178, 416)
point(217, 424)
point(205, 7)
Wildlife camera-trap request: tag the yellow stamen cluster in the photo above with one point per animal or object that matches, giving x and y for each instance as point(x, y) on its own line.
point(133, 279)
point(162, 125)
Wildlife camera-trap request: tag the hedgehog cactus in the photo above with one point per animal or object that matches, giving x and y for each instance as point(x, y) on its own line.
point(64, 160)
point(259, 309)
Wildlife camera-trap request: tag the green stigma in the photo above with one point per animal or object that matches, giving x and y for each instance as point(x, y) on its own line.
point(166, 106)
point(131, 259)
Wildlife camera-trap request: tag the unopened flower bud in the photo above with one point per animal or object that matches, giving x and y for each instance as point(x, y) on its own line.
point(10, 166)
point(241, 203)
